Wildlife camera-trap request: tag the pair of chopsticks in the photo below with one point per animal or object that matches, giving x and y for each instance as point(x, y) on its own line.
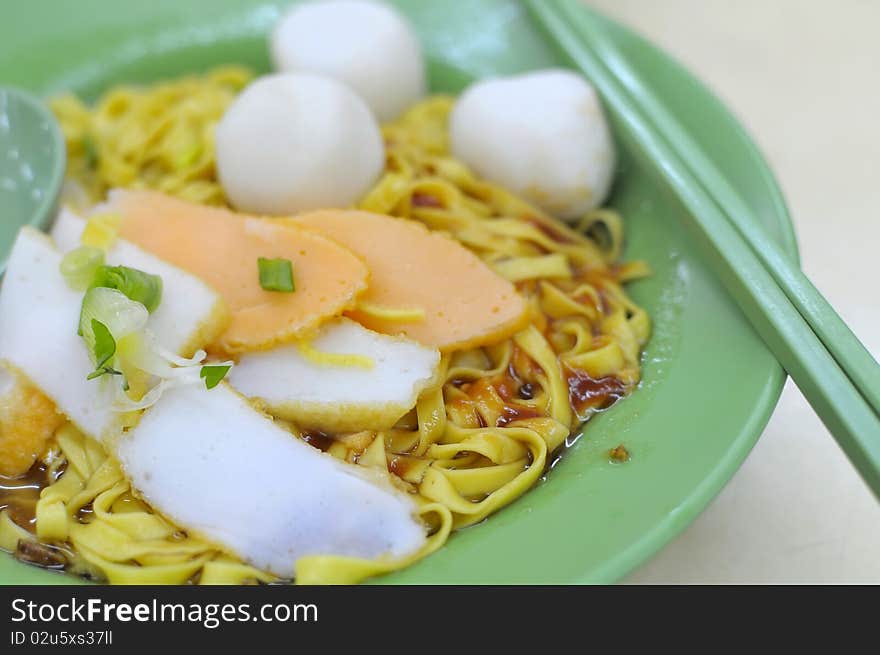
point(832, 368)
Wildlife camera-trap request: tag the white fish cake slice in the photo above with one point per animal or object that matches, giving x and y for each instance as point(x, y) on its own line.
point(191, 313)
point(39, 315)
point(339, 398)
point(216, 466)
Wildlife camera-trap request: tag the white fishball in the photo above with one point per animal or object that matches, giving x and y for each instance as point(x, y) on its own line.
point(542, 135)
point(367, 45)
point(293, 142)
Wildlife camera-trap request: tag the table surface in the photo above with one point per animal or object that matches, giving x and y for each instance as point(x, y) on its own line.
point(804, 78)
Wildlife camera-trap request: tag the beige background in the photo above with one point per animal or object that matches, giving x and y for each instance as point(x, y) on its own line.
point(804, 77)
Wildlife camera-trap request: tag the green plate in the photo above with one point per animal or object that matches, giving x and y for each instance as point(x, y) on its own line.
point(709, 383)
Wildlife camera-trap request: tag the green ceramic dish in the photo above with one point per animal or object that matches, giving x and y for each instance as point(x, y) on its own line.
point(709, 383)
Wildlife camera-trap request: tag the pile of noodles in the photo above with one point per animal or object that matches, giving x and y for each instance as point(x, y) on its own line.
point(473, 444)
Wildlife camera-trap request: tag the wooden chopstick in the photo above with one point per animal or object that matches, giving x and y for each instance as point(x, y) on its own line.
point(832, 368)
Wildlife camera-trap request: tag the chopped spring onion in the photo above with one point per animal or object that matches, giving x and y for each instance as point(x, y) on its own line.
point(79, 266)
point(172, 371)
point(276, 274)
point(129, 351)
point(116, 311)
point(137, 285)
point(401, 314)
point(212, 375)
point(103, 352)
point(113, 327)
point(101, 230)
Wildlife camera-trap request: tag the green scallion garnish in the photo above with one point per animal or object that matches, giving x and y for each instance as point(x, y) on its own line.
point(104, 349)
point(80, 265)
point(213, 374)
point(137, 285)
point(276, 274)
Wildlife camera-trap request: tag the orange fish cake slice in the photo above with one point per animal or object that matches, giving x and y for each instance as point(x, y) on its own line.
point(465, 303)
point(222, 248)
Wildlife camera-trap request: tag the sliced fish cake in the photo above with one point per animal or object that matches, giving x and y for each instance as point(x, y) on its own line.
point(28, 419)
point(191, 314)
point(39, 315)
point(464, 302)
point(217, 467)
point(222, 248)
point(379, 383)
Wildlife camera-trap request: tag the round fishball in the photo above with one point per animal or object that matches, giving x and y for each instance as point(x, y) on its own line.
point(542, 135)
point(293, 142)
point(367, 45)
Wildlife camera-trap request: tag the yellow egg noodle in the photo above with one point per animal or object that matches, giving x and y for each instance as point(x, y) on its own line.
point(475, 442)
point(158, 137)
